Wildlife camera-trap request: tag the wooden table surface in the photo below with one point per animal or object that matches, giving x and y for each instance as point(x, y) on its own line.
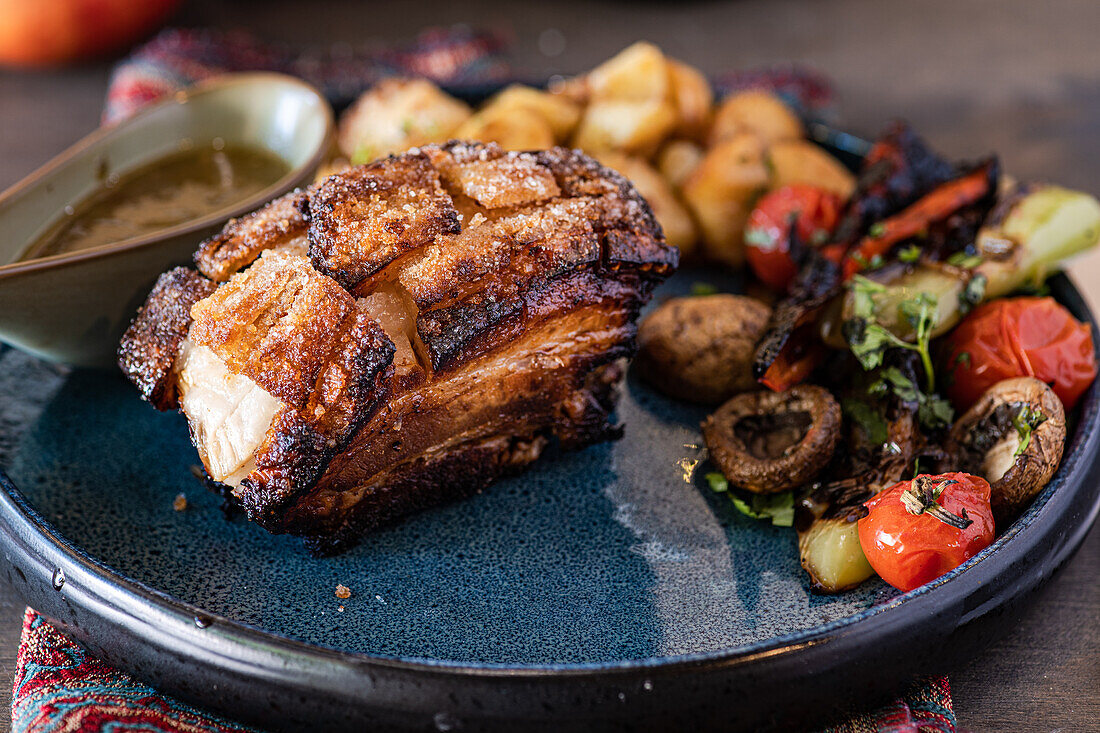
point(1013, 76)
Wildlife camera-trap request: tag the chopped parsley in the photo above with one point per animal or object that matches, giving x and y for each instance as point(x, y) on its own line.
point(779, 508)
point(868, 418)
point(877, 230)
point(909, 254)
point(701, 288)
point(964, 260)
point(1025, 421)
point(933, 411)
point(869, 340)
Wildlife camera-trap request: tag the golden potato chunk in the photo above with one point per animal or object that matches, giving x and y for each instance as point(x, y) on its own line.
point(560, 112)
point(397, 114)
point(626, 126)
point(672, 215)
point(758, 112)
point(693, 98)
point(514, 129)
point(637, 73)
point(677, 159)
point(700, 348)
point(721, 192)
point(800, 161)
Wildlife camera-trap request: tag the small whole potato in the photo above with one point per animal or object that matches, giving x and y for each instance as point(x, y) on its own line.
point(701, 348)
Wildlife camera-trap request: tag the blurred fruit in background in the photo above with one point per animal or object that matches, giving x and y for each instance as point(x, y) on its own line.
point(54, 32)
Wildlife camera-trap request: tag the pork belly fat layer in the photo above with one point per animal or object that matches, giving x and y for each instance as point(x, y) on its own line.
point(228, 413)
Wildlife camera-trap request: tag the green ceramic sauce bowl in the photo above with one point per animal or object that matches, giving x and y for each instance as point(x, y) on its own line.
point(72, 308)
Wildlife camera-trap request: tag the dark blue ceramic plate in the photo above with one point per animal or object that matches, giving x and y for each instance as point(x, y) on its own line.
point(604, 585)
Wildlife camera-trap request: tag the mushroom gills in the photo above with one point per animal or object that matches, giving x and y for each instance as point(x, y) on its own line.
point(772, 435)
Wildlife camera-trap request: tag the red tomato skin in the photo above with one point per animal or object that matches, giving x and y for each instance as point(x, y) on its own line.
point(767, 233)
point(1020, 337)
point(909, 550)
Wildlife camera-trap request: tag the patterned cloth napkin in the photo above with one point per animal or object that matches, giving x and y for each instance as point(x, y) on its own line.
point(58, 686)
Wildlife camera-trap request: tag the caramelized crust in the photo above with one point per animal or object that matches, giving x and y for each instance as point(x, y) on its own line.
point(242, 240)
point(364, 218)
point(300, 336)
point(147, 352)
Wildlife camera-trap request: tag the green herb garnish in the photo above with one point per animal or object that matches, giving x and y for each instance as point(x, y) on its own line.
point(964, 260)
point(779, 508)
point(909, 254)
point(1025, 421)
point(933, 411)
point(877, 230)
point(869, 340)
point(869, 419)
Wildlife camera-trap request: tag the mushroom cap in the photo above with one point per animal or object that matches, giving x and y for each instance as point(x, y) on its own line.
point(1029, 472)
point(701, 348)
point(797, 463)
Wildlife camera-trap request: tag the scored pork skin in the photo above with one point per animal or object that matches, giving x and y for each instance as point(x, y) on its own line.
point(416, 327)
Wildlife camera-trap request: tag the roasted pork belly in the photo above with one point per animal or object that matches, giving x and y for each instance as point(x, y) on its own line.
point(402, 333)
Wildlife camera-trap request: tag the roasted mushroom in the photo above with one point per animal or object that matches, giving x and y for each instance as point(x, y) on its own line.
point(768, 442)
point(700, 348)
point(1013, 437)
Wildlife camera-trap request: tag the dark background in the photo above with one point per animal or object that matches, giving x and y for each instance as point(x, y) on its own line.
point(1018, 77)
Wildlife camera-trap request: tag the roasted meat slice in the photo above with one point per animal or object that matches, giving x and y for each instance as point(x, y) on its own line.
point(402, 333)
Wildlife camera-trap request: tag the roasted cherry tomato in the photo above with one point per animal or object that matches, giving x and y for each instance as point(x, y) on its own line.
point(1020, 337)
point(917, 530)
point(768, 232)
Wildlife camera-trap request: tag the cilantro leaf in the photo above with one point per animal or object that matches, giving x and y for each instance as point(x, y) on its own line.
point(779, 508)
point(965, 260)
point(909, 254)
point(717, 482)
point(1025, 421)
point(869, 420)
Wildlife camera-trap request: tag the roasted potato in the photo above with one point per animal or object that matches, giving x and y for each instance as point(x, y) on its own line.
point(757, 112)
point(671, 214)
point(677, 159)
point(700, 348)
point(560, 112)
point(721, 192)
point(517, 128)
point(693, 97)
point(638, 73)
point(628, 126)
point(800, 161)
point(395, 115)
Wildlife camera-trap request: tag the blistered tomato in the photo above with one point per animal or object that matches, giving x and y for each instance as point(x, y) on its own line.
point(768, 232)
point(1020, 337)
point(917, 530)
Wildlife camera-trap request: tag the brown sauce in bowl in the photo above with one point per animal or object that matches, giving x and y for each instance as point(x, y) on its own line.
point(172, 190)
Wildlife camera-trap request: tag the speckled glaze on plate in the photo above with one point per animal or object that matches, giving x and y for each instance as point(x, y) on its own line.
point(608, 585)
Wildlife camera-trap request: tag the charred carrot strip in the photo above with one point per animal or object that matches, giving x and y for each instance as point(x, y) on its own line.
point(795, 362)
point(912, 221)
